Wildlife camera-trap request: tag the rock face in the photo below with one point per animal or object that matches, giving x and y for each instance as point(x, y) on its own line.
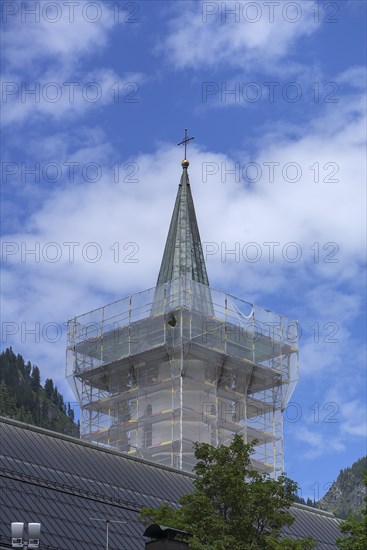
point(346, 495)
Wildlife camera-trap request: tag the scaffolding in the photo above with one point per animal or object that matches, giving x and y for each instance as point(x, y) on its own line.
point(183, 363)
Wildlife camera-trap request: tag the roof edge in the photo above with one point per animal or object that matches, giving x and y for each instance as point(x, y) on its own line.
point(57, 435)
point(315, 510)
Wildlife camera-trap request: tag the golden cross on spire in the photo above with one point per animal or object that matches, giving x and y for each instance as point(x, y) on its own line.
point(185, 141)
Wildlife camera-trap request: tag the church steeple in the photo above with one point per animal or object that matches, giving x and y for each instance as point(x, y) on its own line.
point(172, 358)
point(183, 254)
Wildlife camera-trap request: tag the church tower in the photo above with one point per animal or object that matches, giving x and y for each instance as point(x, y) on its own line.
point(182, 362)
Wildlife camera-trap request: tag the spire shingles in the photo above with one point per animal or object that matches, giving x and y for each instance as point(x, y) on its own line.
point(183, 254)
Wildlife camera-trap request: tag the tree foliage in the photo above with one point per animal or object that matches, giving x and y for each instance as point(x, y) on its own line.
point(355, 529)
point(23, 398)
point(35, 379)
point(232, 507)
point(49, 388)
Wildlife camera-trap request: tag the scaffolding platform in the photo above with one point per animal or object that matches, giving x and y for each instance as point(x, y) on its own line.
point(183, 363)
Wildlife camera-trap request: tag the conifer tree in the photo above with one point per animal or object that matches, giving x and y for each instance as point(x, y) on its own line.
point(49, 388)
point(35, 379)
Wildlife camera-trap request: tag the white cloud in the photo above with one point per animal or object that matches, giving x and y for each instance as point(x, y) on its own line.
point(310, 211)
point(354, 76)
point(318, 443)
point(274, 212)
point(57, 95)
point(351, 398)
point(45, 64)
point(354, 418)
point(62, 34)
point(206, 34)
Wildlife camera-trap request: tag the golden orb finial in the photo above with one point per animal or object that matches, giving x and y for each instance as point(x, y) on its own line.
point(185, 163)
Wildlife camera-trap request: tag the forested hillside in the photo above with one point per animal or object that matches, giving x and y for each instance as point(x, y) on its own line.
point(22, 397)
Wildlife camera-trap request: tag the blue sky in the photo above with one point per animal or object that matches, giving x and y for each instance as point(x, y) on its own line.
point(274, 93)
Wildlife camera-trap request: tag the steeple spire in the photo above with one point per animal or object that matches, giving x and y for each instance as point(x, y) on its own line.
point(183, 254)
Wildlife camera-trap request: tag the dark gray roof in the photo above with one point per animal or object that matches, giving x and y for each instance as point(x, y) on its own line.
point(310, 522)
point(183, 253)
point(62, 482)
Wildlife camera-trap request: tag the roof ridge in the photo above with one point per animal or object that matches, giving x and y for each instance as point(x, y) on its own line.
point(314, 510)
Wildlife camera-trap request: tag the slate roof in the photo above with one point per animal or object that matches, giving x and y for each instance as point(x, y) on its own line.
point(183, 254)
point(62, 482)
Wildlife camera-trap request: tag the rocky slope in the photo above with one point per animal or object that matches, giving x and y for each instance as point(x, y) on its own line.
point(346, 495)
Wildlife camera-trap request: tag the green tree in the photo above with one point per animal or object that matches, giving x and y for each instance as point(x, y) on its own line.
point(35, 379)
point(55, 397)
point(355, 529)
point(231, 507)
point(28, 370)
point(70, 413)
point(49, 387)
point(7, 402)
